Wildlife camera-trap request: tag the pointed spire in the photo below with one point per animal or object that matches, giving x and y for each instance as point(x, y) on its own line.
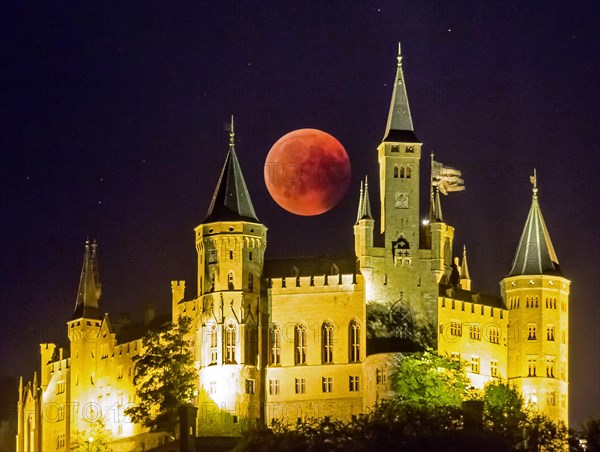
point(535, 254)
point(231, 200)
point(360, 203)
point(464, 268)
point(88, 294)
point(364, 204)
point(367, 201)
point(399, 126)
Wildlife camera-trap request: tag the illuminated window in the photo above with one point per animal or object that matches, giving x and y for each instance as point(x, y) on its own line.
point(300, 385)
point(531, 367)
point(531, 332)
point(455, 328)
point(250, 386)
point(550, 332)
point(494, 368)
point(275, 346)
point(354, 383)
point(550, 367)
point(60, 412)
point(274, 387)
point(475, 332)
point(475, 364)
point(327, 384)
point(212, 387)
point(300, 344)
point(230, 344)
point(213, 342)
point(494, 334)
point(250, 282)
point(551, 398)
point(327, 342)
point(354, 341)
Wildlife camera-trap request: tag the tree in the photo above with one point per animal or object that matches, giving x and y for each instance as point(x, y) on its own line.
point(96, 438)
point(164, 376)
point(504, 410)
point(430, 380)
point(591, 433)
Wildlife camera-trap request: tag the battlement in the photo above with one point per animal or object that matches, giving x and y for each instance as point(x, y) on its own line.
point(177, 284)
point(472, 308)
point(291, 282)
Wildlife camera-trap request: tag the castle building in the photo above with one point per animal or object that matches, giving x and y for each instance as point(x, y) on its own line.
point(295, 338)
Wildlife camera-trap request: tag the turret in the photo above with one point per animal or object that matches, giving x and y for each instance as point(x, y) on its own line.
point(363, 228)
point(537, 296)
point(465, 277)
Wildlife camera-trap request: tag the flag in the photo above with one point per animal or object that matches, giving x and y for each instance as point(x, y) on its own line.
point(445, 178)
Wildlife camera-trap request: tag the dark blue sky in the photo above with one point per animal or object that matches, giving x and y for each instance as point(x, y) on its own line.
point(112, 127)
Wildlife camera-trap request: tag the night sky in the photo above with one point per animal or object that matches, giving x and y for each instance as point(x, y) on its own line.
point(112, 128)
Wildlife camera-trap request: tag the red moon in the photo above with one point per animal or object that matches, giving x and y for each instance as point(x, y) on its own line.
point(307, 172)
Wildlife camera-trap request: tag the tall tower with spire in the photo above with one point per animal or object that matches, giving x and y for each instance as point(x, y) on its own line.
point(537, 296)
point(230, 243)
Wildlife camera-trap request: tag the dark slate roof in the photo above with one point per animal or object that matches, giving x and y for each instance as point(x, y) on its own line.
point(132, 331)
point(88, 294)
point(456, 293)
point(231, 200)
point(309, 265)
point(535, 254)
point(399, 127)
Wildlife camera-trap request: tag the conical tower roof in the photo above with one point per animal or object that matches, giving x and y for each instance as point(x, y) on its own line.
point(231, 200)
point(399, 126)
point(88, 294)
point(535, 254)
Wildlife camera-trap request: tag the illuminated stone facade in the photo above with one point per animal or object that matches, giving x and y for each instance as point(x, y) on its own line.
point(287, 339)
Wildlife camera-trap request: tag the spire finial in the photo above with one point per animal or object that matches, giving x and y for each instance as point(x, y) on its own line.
point(533, 180)
point(231, 134)
point(399, 54)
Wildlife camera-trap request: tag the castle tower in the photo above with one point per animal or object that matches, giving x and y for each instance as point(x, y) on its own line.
point(537, 296)
point(83, 332)
point(399, 159)
point(363, 228)
point(231, 244)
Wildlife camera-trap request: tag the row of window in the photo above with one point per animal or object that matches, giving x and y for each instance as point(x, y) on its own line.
point(211, 256)
point(396, 148)
point(532, 368)
point(299, 385)
point(550, 333)
point(493, 332)
point(402, 173)
point(231, 282)
point(327, 343)
point(533, 302)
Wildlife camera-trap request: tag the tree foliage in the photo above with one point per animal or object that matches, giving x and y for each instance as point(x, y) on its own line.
point(96, 438)
point(430, 380)
point(164, 376)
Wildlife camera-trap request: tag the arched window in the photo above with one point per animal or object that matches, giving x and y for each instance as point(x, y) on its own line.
point(531, 332)
point(300, 344)
point(230, 281)
point(230, 344)
point(213, 342)
point(401, 172)
point(354, 333)
point(250, 282)
point(395, 171)
point(327, 342)
point(408, 172)
point(275, 346)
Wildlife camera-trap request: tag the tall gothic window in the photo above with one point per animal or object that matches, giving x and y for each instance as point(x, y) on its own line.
point(395, 171)
point(408, 171)
point(230, 344)
point(354, 332)
point(213, 344)
point(250, 282)
point(300, 344)
point(401, 172)
point(276, 346)
point(327, 342)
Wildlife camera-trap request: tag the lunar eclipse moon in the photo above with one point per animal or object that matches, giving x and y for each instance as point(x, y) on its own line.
point(307, 172)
